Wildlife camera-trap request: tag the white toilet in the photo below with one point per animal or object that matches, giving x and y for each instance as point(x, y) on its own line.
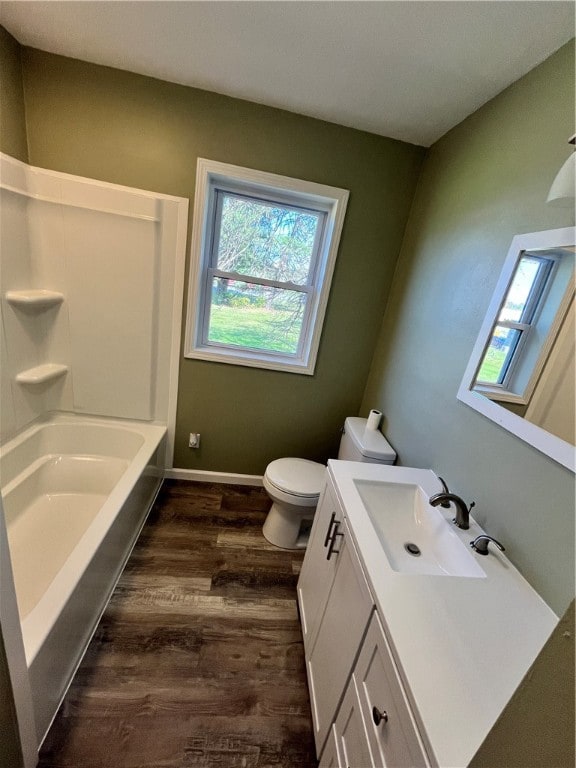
point(294, 485)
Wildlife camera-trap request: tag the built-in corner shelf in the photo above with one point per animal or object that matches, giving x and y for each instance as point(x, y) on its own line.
point(34, 299)
point(41, 373)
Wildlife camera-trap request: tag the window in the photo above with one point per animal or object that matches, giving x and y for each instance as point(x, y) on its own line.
point(263, 253)
point(523, 330)
point(515, 319)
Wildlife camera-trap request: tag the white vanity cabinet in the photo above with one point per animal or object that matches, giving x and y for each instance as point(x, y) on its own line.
point(348, 663)
point(405, 665)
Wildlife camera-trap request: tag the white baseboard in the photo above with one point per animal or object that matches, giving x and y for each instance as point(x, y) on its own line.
point(201, 476)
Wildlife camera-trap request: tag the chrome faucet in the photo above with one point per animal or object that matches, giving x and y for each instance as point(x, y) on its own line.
point(480, 544)
point(462, 510)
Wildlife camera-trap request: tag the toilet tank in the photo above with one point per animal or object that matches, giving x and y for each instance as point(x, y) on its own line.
point(367, 445)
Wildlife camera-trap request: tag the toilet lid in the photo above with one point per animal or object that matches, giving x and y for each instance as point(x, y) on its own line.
point(299, 477)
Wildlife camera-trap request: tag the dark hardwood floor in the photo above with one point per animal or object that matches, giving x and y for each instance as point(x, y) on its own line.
point(198, 660)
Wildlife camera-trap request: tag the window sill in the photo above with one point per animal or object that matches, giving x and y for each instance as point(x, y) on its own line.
point(268, 362)
point(500, 395)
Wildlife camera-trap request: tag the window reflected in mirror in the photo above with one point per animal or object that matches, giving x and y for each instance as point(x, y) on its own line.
point(521, 373)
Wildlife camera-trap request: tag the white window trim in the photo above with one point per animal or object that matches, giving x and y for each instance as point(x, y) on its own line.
point(331, 199)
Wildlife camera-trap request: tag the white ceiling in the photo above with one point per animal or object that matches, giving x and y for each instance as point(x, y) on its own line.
point(406, 69)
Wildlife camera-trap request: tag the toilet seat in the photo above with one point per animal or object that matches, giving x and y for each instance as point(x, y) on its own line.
point(297, 477)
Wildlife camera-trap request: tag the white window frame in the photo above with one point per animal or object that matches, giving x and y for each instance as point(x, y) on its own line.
point(213, 177)
point(512, 390)
point(505, 391)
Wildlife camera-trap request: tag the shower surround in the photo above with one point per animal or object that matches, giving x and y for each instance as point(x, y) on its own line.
point(91, 301)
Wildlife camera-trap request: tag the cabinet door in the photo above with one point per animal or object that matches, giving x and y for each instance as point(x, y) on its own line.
point(351, 736)
point(392, 731)
point(340, 634)
point(318, 571)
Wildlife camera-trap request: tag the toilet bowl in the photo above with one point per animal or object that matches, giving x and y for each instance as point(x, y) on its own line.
point(294, 485)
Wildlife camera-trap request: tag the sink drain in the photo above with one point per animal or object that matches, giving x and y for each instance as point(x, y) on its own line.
point(412, 549)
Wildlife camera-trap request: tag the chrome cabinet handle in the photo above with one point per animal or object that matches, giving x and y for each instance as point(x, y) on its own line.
point(329, 531)
point(331, 550)
point(379, 717)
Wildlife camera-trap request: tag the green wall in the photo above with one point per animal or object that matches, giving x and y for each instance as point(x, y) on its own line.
point(482, 183)
point(134, 130)
point(12, 118)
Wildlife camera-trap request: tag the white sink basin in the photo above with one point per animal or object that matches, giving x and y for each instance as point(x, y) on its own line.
point(405, 521)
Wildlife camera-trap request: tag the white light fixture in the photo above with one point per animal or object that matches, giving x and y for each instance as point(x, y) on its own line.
point(562, 189)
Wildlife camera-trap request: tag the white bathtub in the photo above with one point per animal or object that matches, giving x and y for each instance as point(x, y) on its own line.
point(76, 492)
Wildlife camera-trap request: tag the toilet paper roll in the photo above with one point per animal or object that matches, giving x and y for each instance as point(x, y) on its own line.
point(373, 421)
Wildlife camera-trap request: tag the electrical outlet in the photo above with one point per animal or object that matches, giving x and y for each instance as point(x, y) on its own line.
point(194, 441)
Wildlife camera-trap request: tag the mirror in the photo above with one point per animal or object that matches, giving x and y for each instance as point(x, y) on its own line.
point(521, 371)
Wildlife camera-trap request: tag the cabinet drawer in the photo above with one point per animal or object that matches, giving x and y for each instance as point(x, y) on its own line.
point(350, 732)
point(395, 741)
point(331, 753)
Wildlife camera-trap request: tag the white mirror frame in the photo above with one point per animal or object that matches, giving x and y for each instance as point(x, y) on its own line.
point(554, 447)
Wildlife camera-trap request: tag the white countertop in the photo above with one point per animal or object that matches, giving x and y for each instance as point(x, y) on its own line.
point(463, 645)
